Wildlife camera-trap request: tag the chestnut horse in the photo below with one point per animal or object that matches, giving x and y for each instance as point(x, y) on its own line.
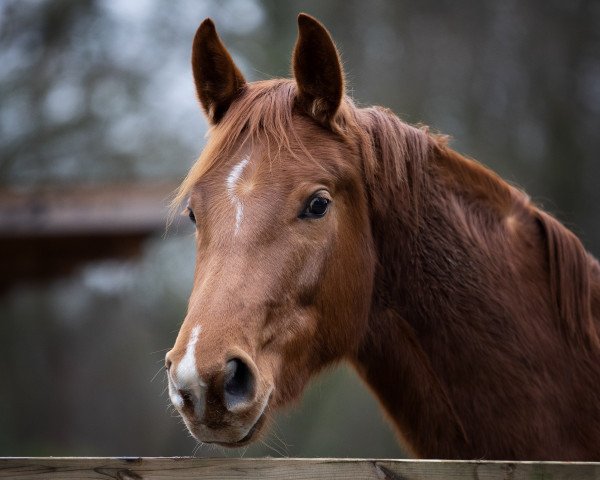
point(327, 232)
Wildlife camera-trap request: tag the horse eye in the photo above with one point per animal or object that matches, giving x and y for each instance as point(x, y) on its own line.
point(316, 208)
point(191, 215)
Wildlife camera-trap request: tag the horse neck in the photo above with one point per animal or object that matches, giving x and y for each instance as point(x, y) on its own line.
point(425, 297)
point(392, 359)
point(394, 364)
point(464, 314)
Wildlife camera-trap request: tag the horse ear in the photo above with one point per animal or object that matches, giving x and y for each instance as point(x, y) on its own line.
point(317, 70)
point(217, 78)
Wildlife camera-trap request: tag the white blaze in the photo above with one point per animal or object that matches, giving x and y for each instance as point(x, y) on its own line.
point(176, 398)
point(232, 180)
point(187, 375)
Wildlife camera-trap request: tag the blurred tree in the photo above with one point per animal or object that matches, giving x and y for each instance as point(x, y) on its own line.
point(91, 91)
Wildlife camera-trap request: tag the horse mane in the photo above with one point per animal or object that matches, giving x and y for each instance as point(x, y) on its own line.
point(402, 153)
point(395, 157)
point(570, 285)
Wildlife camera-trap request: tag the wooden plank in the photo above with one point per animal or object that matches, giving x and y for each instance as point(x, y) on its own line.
point(287, 468)
point(50, 232)
point(84, 210)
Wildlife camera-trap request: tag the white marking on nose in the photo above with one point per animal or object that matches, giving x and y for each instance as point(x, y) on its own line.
point(185, 378)
point(232, 180)
point(176, 397)
point(187, 375)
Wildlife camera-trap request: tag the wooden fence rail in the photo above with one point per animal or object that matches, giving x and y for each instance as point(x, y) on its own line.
point(288, 468)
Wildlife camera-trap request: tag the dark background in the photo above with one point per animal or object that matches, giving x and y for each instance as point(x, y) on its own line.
point(100, 92)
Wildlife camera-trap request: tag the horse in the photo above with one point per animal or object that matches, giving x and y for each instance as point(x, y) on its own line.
point(330, 233)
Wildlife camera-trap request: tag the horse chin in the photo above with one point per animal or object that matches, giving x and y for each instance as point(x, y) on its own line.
point(218, 437)
point(249, 438)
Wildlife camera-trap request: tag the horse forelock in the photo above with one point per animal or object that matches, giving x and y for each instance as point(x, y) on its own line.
point(262, 112)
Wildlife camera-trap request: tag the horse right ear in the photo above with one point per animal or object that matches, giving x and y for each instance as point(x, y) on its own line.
point(217, 78)
point(317, 70)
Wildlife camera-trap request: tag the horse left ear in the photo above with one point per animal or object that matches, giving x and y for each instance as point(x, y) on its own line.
point(317, 70)
point(216, 76)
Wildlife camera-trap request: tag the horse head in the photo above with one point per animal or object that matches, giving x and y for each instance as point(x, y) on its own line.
point(284, 263)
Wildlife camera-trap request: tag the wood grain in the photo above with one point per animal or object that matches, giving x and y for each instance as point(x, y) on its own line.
point(284, 468)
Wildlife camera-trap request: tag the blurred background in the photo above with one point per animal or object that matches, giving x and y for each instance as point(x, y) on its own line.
point(98, 123)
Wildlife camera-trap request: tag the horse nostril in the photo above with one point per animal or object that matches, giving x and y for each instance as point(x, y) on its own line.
point(188, 399)
point(239, 382)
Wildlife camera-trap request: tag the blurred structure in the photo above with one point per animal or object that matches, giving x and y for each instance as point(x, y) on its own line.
point(45, 234)
point(99, 93)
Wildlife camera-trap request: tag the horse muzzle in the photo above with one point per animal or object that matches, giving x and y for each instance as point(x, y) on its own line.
point(226, 404)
